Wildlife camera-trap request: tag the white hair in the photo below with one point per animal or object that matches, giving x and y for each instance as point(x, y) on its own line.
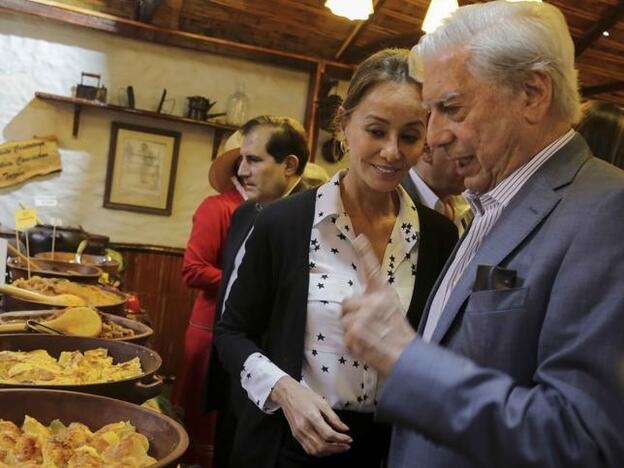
point(506, 42)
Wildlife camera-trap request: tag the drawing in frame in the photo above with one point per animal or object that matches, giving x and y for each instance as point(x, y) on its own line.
point(141, 170)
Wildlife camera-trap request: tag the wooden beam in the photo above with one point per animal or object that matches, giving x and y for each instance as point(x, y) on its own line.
point(125, 27)
point(136, 30)
point(358, 29)
point(596, 31)
point(603, 88)
point(311, 119)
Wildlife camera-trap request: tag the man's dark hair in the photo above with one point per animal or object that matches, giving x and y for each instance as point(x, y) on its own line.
point(288, 137)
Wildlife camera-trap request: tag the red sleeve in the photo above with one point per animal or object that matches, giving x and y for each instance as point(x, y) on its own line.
point(201, 267)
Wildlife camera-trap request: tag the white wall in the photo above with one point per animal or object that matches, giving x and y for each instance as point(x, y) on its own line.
point(40, 55)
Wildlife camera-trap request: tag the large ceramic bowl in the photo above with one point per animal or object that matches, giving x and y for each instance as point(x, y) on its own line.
point(107, 264)
point(141, 331)
point(168, 440)
point(136, 389)
point(54, 269)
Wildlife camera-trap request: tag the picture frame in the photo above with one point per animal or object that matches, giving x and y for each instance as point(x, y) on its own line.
point(141, 170)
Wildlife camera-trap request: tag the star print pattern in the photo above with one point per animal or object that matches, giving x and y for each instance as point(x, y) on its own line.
point(328, 368)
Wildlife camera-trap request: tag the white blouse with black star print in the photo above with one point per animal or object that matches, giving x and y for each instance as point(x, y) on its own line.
point(328, 368)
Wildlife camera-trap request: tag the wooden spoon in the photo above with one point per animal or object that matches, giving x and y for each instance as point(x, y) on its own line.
point(63, 300)
point(76, 321)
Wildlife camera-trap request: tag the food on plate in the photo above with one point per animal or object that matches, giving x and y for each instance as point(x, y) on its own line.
point(57, 445)
point(17, 323)
point(114, 331)
point(92, 295)
point(71, 368)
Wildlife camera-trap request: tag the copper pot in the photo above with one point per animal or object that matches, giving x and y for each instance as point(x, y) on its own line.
point(136, 389)
point(168, 440)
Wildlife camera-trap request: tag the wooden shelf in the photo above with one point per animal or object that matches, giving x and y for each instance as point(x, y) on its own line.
point(219, 129)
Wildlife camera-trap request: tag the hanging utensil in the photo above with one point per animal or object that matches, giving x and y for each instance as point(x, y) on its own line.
point(81, 247)
point(41, 327)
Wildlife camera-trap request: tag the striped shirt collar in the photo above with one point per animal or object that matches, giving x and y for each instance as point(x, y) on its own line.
point(503, 193)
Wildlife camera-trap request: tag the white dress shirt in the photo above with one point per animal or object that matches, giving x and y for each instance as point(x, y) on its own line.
point(487, 208)
point(335, 274)
point(238, 259)
point(461, 208)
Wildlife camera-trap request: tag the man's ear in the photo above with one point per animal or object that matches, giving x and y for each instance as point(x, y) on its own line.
point(292, 163)
point(538, 96)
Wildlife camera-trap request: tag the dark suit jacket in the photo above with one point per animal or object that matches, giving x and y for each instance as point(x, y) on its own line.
point(243, 219)
point(530, 375)
point(408, 184)
point(266, 309)
point(216, 384)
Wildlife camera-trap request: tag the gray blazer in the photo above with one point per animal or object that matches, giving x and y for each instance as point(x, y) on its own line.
point(532, 379)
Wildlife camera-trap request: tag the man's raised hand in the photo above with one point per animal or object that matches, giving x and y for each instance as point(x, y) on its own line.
point(374, 323)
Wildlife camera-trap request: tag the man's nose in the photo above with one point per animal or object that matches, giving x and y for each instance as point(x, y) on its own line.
point(438, 134)
point(243, 169)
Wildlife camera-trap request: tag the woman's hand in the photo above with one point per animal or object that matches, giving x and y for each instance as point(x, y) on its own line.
point(312, 421)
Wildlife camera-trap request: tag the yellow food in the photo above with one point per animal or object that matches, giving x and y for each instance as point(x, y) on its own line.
point(92, 295)
point(58, 446)
point(110, 330)
point(72, 367)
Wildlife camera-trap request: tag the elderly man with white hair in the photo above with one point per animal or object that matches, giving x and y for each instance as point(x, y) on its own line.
point(516, 360)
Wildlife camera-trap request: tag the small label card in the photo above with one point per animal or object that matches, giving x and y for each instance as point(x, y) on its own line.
point(46, 200)
point(25, 218)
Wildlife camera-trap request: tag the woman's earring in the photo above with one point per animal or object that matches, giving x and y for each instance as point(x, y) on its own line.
point(343, 146)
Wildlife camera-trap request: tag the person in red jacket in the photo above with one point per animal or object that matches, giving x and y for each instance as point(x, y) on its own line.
point(201, 270)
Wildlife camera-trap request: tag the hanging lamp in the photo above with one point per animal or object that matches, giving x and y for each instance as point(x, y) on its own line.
point(352, 9)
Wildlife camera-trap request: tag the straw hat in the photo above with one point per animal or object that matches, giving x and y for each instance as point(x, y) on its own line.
point(314, 175)
point(223, 167)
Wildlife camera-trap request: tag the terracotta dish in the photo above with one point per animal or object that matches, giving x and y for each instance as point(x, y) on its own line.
point(54, 269)
point(136, 389)
point(140, 335)
point(167, 439)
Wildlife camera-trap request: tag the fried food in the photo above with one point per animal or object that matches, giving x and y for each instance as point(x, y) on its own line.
point(71, 368)
point(114, 331)
point(58, 446)
point(92, 295)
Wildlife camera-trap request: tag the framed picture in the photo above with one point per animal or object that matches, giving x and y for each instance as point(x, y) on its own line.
point(141, 171)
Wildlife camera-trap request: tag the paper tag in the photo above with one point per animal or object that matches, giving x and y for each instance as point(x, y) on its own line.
point(46, 200)
point(26, 218)
point(3, 259)
point(56, 221)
